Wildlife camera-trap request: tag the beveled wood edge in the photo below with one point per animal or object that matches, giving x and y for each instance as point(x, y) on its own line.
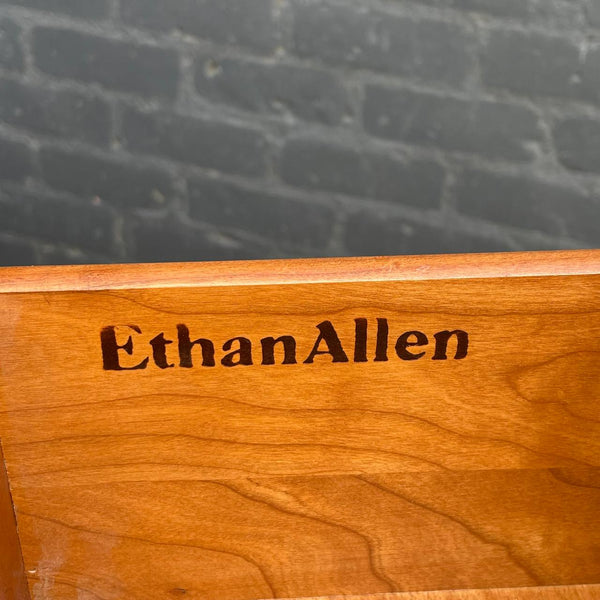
point(566, 592)
point(295, 271)
point(13, 582)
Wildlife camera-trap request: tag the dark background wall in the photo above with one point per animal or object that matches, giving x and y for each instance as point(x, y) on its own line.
point(214, 129)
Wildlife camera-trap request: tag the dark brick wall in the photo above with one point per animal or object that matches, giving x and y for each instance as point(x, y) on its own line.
point(221, 129)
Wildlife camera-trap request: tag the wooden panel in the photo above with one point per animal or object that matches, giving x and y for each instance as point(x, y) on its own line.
point(359, 467)
point(574, 592)
point(13, 584)
point(277, 272)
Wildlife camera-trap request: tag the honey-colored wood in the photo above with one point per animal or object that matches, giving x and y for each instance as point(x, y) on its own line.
point(309, 479)
point(13, 584)
point(279, 272)
point(572, 592)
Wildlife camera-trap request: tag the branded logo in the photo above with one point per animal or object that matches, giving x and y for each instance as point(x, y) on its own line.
point(132, 354)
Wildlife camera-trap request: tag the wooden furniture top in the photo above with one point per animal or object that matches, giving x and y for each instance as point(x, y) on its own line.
point(373, 428)
point(571, 592)
point(298, 271)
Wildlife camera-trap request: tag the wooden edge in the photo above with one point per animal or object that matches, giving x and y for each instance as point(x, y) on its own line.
point(326, 270)
point(13, 582)
point(567, 592)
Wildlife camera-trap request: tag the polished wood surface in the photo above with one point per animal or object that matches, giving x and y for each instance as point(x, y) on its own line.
point(13, 584)
point(279, 272)
point(340, 475)
point(572, 592)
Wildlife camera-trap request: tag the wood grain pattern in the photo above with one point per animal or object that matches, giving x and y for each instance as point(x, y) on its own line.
point(306, 479)
point(279, 272)
point(13, 584)
point(572, 592)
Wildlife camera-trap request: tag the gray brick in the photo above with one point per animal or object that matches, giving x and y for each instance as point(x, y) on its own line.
point(577, 143)
point(345, 35)
point(284, 221)
point(116, 65)
point(506, 8)
point(16, 161)
point(109, 179)
point(87, 9)
point(486, 128)
point(16, 252)
point(310, 94)
point(410, 182)
point(54, 112)
point(239, 22)
point(373, 234)
point(591, 75)
point(11, 54)
point(563, 13)
point(206, 143)
point(524, 47)
point(593, 13)
point(531, 63)
point(63, 255)
point(35, 214)
point(528, 203)
point(320, 165)
point(164, 239)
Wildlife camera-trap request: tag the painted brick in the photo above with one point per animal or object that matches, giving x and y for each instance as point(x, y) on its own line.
point(159, 239)
point(593, 12)
point(334, 167)
point(577, 142)
point(371, 234)
point(85, 9)
point(531, 63)
point(105, 179)
point(409, 182)
point(60, 113)
point(306, 93)
point(483, 127)
point(116, 65)
point(554, 13)
point(203, 142)
point(591, 75)
point(321, 165)
point(522, 201)
point(16, 160)
point(282, 220)
point(11, 53)
point(17, 252)
point(239, 22)
point(350, 35)
point(50, 218)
